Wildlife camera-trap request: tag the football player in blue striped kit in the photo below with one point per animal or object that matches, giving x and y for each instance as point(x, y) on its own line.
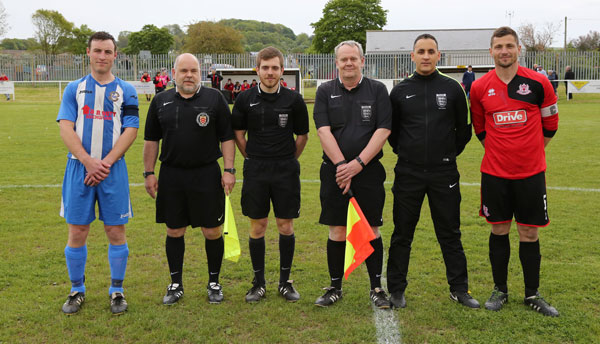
point(98, 121)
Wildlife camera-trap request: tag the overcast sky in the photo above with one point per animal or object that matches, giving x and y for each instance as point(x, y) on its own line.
point(116, 16)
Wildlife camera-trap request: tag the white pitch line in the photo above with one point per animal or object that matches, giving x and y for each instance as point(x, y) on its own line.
point(386, 325)
point(307, 181)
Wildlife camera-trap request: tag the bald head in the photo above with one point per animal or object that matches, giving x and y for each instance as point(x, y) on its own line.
point(185, 56)
point(186, 73)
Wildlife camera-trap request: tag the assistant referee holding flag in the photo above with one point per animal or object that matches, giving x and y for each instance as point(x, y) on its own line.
point(192, 121)
point(270, 115)
point(353, 117)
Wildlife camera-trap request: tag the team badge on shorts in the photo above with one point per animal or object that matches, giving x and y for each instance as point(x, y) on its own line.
point(366, 113)
point(283, 119)
point(202, 119)
point(114, 96)
point(523, 89)
point(441, 100)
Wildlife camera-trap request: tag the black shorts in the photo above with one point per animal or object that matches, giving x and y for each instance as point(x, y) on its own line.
point(367, 187)
point(190, 197)
point(271, 180)
point(524, 198)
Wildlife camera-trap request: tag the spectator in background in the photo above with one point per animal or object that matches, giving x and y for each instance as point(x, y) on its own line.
point(158, 85)
point(541, 70)
point(553, 77)
point(245, 85)
point(569, 75)
point(146, 78)
point(237, 88)
point(535, 67)
point(215, 79)
point(282, 82)
point(253, 83)
point(228, 85)
point(164, 77)
point(3, 77)
point(467, 79)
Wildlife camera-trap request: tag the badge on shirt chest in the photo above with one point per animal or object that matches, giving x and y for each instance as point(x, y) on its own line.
point(114, 96)
point(202, 119)
point(441, 100)
point(365, 113)
point(283, 119)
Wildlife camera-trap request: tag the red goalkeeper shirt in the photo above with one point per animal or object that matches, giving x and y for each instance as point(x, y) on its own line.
point(513, 119)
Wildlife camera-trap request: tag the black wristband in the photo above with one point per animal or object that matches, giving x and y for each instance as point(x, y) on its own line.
point(146, 174)
point(360, 161)
point(340, 163)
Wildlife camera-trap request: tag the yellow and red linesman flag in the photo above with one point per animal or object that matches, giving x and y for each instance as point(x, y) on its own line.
point(358, 238)
point(230, 235)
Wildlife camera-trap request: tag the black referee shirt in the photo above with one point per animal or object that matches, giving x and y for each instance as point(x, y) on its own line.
point(353, 115)
point(190, 128)
point(271, 120)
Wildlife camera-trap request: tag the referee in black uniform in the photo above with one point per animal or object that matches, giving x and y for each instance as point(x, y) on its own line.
point(192, 122)
point(353, 119)
point(430, 127)
point(271, 115)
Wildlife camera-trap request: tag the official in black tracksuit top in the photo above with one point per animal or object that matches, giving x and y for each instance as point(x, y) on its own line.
point(270, 115)
point(430, 128)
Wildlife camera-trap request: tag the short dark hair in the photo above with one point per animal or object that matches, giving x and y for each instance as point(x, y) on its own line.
point(269, 53)
point(504, 31)
point(101, 36)
point(425, 36)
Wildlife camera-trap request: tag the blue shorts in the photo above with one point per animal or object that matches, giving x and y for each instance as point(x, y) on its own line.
point(79, 200)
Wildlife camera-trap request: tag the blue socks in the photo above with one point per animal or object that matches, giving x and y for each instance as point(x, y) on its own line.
point(76, 258)
point(117, 258)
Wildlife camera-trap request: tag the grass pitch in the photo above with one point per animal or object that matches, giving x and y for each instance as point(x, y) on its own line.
point(34, 280)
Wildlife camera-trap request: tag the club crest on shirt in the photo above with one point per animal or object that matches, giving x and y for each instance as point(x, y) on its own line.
point(283, 119)
point(202, 119)
point(491, 92)
point(441, 100)
point(366, 113)
point(114, 96)
point(523, 89)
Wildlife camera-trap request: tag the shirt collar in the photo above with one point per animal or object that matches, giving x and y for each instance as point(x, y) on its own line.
point(260, 91)
point(357, 85)
point(197, 91)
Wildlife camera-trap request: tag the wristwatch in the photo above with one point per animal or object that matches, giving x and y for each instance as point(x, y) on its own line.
point(230, 170)
point(359, 160)
point(146, 174)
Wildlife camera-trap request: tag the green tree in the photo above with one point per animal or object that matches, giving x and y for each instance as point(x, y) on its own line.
point(52, 30)
point(78, 43)
point(3, 20)
point(158, 41)
point(19, 44)
point(123, 39)
point(178, 36)
point(347, 20)
point(211, 37)
point(258, 35)
point(590, 41)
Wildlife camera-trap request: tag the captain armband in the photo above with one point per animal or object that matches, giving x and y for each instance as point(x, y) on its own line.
point(549, 110)
point(130, 110)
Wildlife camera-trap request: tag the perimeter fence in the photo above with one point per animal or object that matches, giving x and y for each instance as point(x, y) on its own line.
point(312, 66)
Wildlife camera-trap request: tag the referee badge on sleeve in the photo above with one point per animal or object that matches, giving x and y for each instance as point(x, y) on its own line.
point(283, 119)
point(202, 119)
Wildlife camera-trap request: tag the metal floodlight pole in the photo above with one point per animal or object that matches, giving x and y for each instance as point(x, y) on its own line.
point(565, 33)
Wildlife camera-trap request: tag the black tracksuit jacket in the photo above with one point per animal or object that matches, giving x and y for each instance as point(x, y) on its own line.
point(430, 121)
